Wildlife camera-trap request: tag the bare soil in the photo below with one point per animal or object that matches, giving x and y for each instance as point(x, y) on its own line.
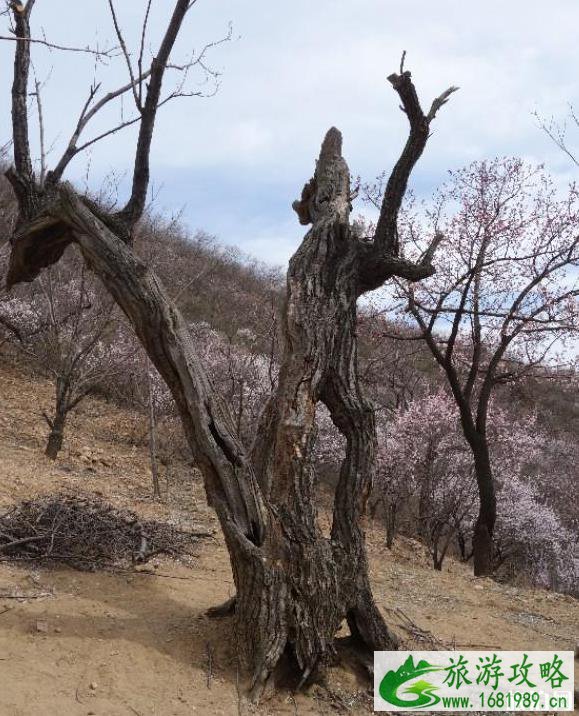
point(138, 641)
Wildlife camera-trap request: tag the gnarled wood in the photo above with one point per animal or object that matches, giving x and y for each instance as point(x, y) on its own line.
point(295, 586)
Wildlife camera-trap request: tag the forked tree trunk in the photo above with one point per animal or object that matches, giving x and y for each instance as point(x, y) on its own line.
point(320, 364)
point(295, 587)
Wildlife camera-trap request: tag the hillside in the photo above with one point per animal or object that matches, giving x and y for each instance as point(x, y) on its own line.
point(139, 642)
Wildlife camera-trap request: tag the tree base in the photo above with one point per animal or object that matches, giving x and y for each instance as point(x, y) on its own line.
point(482, 551)
point(54, 445)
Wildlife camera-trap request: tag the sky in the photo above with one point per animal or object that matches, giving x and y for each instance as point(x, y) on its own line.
point(233, 163)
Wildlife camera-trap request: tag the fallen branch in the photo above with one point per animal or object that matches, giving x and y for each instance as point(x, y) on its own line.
point(19, 543)
point(417, 633)
point(112, 52)
point(35, 595)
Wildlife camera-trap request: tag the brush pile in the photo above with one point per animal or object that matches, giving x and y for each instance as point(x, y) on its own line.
point(87, 533)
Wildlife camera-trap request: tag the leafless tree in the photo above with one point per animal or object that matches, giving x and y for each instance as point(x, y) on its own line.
point(558, 132)
point(394, 372)
point(66, 328)
point(294, 586)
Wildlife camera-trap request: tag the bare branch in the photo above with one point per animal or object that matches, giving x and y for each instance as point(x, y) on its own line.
point(20, 129)
point(37, 96)
point(108, 133)
point(112, 52)
point(439, 102)
point(85, 116)
point(123, 45)
point(142, 48)
point(380, 259)
point(136, 204)
point(375, 267)
point(386, 235)
point(402, 59)
point(428, 255)
point(147, 112)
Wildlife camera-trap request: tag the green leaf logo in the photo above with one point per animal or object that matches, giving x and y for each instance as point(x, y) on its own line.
point(423, 690)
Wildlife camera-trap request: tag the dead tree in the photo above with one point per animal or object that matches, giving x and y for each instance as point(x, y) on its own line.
point(294, 586)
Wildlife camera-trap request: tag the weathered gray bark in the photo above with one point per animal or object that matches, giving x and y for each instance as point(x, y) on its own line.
point(294, 586)
point(319, 325)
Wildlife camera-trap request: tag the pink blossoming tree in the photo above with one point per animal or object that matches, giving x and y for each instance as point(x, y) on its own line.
point(503, 301)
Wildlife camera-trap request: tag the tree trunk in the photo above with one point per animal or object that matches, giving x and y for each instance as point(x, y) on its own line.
point(153, 438)
point(57, 423)
point(56, 435)
point(482, 541)
point(441, 543)
point(461, 543)
point(319, 364)
point(482, 549)
point(391, 523)
point(295, 587)
point(425, 494)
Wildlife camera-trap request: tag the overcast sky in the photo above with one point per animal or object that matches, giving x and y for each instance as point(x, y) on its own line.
point(235, 162)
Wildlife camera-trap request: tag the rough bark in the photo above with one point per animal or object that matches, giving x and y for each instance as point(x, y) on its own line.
point(20, 93)
point(294, 586)
point(319, 364)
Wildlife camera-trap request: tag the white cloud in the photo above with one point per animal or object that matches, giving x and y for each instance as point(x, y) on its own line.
point(301, 67)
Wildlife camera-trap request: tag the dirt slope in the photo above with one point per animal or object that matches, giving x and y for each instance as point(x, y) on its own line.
point(75, 643)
